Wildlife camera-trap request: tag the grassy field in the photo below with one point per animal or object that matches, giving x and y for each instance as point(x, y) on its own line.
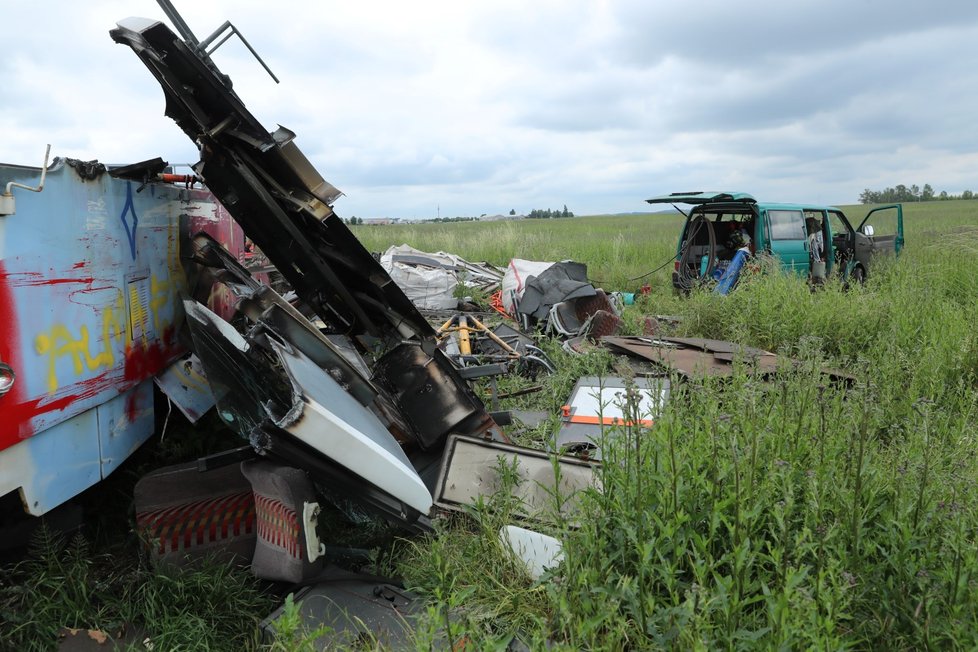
point(789, 515)
point(797, 515)
point(615, 248)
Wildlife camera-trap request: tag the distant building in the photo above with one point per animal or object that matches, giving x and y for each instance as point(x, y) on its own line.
point(381, 220)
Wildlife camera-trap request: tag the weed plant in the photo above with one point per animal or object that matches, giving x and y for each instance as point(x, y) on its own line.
point(798, 514)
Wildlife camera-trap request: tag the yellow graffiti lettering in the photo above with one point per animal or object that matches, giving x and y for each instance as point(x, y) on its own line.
point(112, 323)
point(59, 342)
point(160, 295)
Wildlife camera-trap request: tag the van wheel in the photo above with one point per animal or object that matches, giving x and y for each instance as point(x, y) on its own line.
point(859, 275)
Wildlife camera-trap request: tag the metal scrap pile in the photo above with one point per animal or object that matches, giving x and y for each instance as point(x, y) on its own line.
point(342, 394)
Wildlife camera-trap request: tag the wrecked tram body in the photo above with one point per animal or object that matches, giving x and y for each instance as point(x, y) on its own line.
point(348, 383)
point(90, 285)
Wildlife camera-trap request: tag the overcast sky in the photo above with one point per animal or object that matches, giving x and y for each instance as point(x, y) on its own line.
point(483, 107)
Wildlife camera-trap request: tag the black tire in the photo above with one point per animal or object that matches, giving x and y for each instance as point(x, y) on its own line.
point(859, 274)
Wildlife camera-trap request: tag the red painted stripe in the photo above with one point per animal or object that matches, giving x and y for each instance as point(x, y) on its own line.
point(15, 413)
point(204, 518)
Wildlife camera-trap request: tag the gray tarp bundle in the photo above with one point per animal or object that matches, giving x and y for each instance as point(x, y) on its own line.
point(559, 282)
point(430, 279)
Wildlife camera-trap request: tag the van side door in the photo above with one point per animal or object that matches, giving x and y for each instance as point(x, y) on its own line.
point(788, 239)
point(881, 232)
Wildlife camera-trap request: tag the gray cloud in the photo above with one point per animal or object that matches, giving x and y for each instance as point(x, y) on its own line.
point(738, 34)
point(479, 108)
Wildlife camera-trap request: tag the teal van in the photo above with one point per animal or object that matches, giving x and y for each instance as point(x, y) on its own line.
point(810, 240)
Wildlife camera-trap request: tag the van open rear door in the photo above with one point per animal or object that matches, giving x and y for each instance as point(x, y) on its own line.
point(702, 197)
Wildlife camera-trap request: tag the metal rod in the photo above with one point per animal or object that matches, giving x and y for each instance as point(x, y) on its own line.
point(252, 50)
point(495, 338)
point(464, 345)
point(444, 327)
point(220, 43)
point(201, 46)
point(217, 32)
point(39, 187)
point(177, 20)
point(234, 30)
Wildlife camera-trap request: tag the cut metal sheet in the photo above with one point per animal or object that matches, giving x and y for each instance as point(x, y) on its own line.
point(717, 346)
point(598, 404)
point(424, 387)
point(185, 383)
point(272, 190)
point(420, 396)
point(538, 552)
point(476, 469)
point(694, 358)
point(331, 421)
point(262, 304)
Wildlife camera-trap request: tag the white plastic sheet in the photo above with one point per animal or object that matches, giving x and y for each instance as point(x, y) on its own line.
point(429, 288)
point(514, 280)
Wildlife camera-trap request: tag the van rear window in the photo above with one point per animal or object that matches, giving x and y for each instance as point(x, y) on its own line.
point(786, 225)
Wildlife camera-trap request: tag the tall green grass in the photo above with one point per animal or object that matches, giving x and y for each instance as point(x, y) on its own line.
point(66, 583)
point(794, 514)
point(615, 248)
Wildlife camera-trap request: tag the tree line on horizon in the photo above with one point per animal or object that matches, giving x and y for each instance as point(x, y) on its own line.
point(902, 193)
point(548, 214)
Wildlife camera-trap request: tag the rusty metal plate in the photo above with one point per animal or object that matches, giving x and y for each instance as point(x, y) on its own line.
point(695, 358)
